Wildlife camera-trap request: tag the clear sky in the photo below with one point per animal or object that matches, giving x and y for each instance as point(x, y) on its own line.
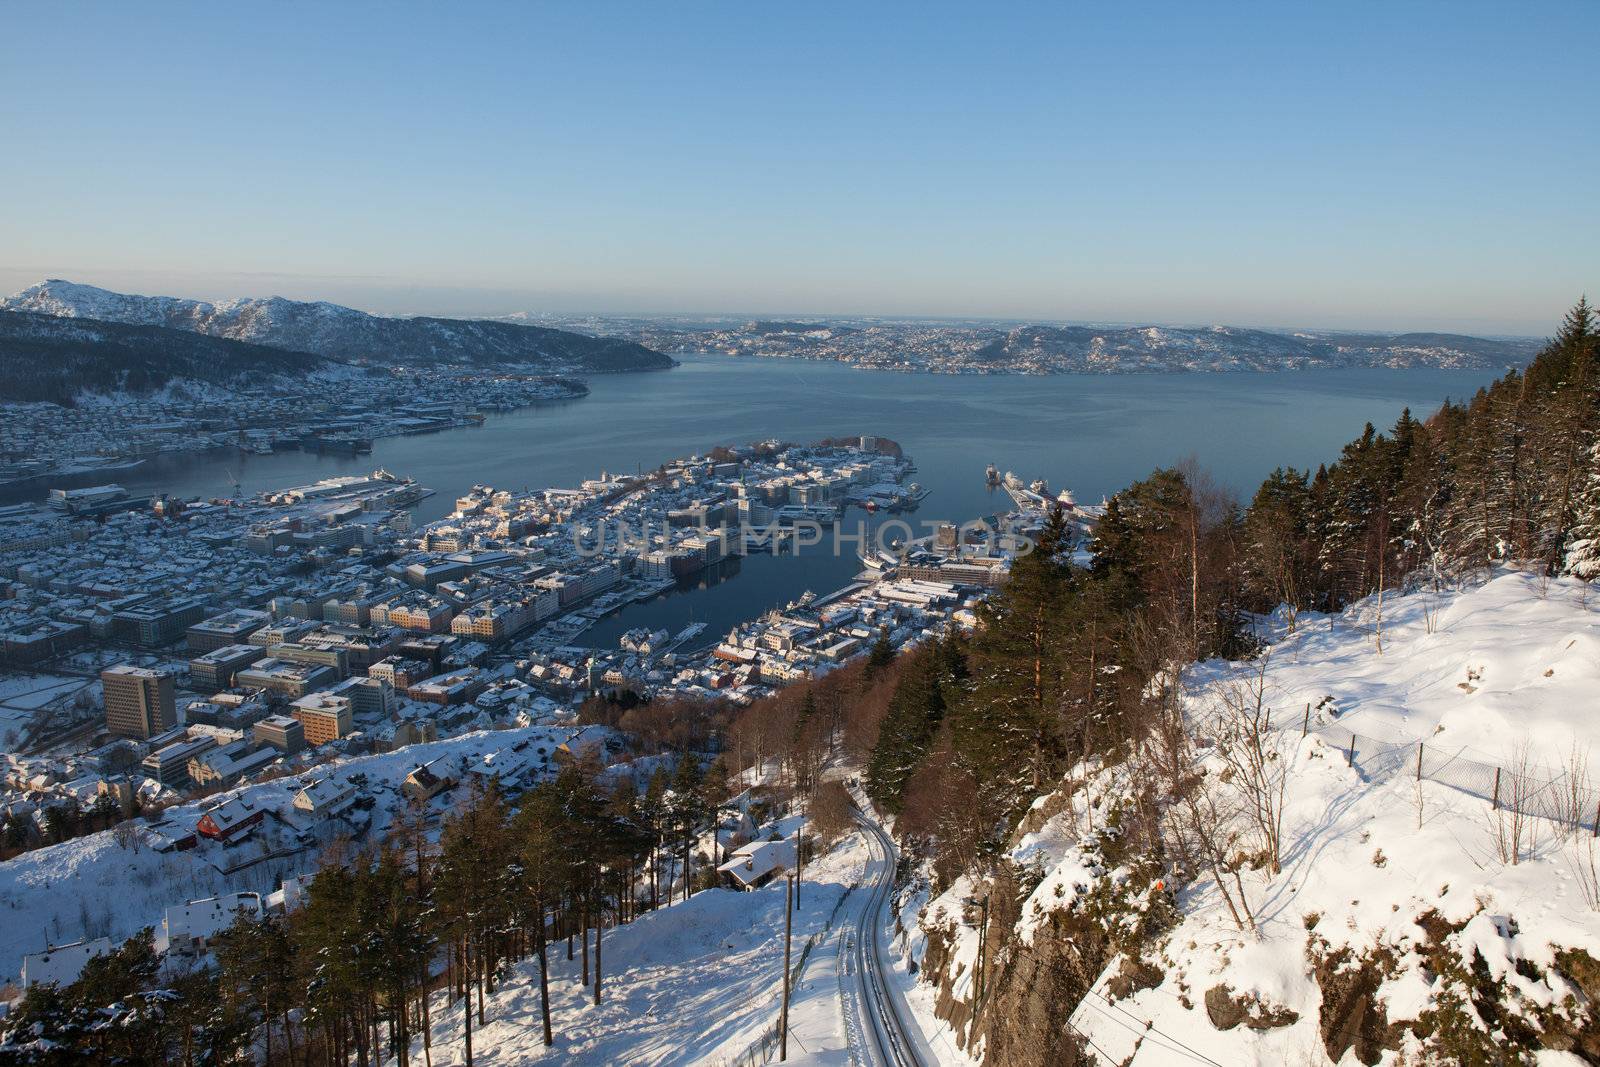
point(1392, 165)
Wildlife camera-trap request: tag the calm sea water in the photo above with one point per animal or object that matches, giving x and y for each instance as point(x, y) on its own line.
point(1092, 434)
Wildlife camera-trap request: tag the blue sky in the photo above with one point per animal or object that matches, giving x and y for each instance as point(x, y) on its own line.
point(1394, 165)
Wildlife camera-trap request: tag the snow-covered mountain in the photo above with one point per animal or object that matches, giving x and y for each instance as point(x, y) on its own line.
point(1050, 348)
point(343, 333)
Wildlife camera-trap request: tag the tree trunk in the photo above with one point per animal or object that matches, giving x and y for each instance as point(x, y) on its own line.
point(481, 968)
point(466, 1009)
point(599, 928)
point(544, 981)
point(427, 1018)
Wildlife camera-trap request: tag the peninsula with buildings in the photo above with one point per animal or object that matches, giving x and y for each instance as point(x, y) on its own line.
point(232, 683)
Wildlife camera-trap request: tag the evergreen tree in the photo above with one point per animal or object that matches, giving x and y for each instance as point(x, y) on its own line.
point(687, 813)
point(544, 844)
point(881, 653)
point(1007, 725)
point(256, 975)
point(1280, 565)
point(915, 711)
point(471, 903)
point(324, 929)
point(1583, 549)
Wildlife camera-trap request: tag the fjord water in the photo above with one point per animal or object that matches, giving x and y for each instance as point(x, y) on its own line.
point(1090, 433)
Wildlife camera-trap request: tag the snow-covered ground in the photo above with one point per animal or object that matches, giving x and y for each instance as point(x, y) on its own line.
point(696, 983)
point(112, 884)
point(1509, 663)
point(1381, 872)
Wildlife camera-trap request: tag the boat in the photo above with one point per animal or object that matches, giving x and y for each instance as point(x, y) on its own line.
point(992, 475)
point(878, 562)
point(916, 494)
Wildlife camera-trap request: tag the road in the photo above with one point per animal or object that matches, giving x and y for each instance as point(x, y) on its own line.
point(882, 1030)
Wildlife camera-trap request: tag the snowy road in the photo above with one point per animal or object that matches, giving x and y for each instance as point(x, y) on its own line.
point(881, 1028)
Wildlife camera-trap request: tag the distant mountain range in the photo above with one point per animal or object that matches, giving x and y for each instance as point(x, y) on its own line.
point(59, 337)
point(978, 347)
point(342, 333)
point(43, 357)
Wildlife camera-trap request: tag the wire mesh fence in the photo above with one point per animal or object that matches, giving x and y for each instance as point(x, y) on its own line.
point(765, 1048)
point(1566, 796)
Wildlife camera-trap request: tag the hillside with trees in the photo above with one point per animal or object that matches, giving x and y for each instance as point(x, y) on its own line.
point(43, 357)
point(1136, 693)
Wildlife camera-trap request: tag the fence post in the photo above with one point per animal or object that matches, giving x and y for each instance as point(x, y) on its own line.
point(1419, 761)
point(1350, 753)
point(783, 1011)
point(1305, 724)
point(1497, 789)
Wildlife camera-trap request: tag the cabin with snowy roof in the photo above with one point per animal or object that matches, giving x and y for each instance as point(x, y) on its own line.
point(230, 821)
point(427, 781)
point(324, 798)
point(755, 864)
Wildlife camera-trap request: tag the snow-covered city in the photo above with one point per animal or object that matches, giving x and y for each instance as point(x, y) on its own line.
point(717, 535)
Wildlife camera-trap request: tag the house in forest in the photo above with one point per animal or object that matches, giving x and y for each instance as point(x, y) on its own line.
point(755, 864)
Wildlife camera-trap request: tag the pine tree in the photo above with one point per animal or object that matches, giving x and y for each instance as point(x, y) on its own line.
point(653, 812)
point(324, 930)
point(256, 974)
point(469, 890)
point(1583, 548)
point(544, 842)
point(1277, 530)
point(688, 814)
point(1572, 424)
point(1008, 725)
point(906, 733)
point(881, 654)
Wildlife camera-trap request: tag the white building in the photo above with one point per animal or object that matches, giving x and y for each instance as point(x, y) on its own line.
point(189, 928)
point(61, 964)
point(325, 798)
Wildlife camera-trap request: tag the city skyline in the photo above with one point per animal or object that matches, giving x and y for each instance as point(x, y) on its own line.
point(1371, 169)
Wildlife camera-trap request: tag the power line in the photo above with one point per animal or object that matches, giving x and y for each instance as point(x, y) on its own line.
point(1149, 1027)
point(1175, 1045)
point(1092, 1045)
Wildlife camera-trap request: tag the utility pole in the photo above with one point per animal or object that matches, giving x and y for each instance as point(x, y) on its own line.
point(799, 863)
point(783, 1010)
point(983, 951)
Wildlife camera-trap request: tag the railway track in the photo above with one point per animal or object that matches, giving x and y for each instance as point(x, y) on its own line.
point(891, 1039)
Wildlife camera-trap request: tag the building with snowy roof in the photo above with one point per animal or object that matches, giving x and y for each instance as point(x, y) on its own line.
point(189, 928)
point(230, 821)
point(60, 965)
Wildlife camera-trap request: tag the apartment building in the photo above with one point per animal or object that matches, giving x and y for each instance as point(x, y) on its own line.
point(140, 701)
